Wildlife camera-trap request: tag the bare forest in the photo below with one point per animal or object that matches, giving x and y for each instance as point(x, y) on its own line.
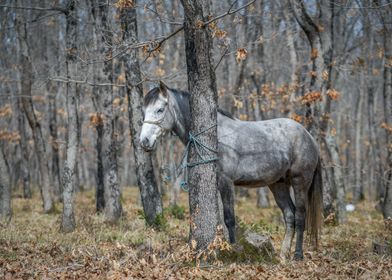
point(115, 160)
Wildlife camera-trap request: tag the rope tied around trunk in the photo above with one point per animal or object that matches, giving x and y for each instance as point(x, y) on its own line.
point(205, 153)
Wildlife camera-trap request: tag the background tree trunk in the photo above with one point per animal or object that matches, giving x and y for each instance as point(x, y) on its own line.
point(112, 192)
point(5, 191)
point(149, 191)
point(24, 151)
point(69, 172)
point(27, 102)
point(203, 201)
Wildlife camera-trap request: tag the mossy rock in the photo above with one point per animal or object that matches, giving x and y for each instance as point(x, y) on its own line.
point(251, 247)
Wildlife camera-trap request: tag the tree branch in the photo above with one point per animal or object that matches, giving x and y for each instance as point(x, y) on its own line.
point(229, 12)
point(35, 8)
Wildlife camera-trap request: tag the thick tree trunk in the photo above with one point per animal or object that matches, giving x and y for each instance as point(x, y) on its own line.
point(5, 191)
point(69, 172)
point(27, 102)
point(104, 99)
point(149, 192)
point(203, 200)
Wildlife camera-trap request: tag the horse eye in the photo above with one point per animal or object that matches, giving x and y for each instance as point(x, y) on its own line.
point(160, 110)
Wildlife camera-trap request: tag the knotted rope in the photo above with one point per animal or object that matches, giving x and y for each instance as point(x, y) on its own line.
point(202, 150)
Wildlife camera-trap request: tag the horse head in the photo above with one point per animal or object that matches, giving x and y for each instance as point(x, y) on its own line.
point(158, 117)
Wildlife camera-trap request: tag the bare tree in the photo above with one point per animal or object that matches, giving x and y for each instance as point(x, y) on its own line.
point(149, 191)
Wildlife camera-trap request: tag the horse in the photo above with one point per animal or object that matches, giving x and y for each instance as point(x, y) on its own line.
point(277, 153)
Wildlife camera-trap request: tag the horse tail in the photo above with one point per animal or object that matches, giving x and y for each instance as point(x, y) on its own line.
point(315, 206)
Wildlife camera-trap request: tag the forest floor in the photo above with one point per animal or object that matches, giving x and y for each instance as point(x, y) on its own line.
point(32, 247)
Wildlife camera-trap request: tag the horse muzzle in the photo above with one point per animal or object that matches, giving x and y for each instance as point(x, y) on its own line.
point(146, 144)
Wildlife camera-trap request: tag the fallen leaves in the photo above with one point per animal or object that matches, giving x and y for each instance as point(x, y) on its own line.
point(32, 247)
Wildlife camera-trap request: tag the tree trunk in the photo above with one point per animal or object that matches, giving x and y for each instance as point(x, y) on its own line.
point(55, 146)
point(358, 193)
point(322, 55)
point(24, 151)
point(113, 208)
point(387, 101)
point(5, 191)
point(69, 172)
point(262, 198)
point(100, 189)
point(203, 202)
point(149, 192)
point(27, 102)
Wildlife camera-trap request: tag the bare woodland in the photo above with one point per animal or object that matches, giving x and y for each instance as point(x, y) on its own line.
point(73, 75)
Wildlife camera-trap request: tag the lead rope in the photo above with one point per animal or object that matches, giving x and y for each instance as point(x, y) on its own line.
point(200, 149)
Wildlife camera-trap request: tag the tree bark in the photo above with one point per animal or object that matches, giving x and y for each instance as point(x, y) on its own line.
point(55, 146)
point(5, 191)
point(24, 151)
point(149, 191)
point(69, 172)
point(112, 192)
point(27, 102)
point(262, 198)
point(387, 101)
point(358, 193)
point(203, 202)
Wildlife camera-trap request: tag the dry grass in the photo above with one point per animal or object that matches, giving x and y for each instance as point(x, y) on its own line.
point(32, 246)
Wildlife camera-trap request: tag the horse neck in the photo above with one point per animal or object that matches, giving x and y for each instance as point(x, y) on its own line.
point(182, 119)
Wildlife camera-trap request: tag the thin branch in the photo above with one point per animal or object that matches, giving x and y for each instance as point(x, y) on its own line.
point(35, 8)
point(229, 12)
point(220, 60)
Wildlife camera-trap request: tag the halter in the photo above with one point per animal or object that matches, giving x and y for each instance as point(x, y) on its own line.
point(158, 122)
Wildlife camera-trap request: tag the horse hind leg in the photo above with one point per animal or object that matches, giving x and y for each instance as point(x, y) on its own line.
point(281, 192)
point(226, 190)
point(300, 184)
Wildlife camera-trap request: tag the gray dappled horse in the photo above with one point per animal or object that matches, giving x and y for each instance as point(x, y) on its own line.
point(278, 153)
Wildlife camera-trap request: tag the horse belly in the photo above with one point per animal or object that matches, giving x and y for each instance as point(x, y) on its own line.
point(258, 170)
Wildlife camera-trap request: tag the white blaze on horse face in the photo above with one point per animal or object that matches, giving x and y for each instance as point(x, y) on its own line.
point(155, 123)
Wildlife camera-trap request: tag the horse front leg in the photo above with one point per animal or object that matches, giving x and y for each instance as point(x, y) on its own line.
point(226, 190)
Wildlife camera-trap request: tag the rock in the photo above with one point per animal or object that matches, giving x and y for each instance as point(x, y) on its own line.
point(261, 243)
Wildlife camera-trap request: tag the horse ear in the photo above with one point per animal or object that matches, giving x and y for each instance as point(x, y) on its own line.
point(163, 88)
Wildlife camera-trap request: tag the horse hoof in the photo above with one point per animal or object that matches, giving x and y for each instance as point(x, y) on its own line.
point(298, 257)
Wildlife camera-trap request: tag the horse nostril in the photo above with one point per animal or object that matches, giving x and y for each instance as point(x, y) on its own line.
point(145, 142)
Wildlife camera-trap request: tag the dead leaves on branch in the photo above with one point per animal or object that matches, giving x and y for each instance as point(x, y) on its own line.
point(9, 136)
point(387, 127)
point(96, 119)
point(333, 94)
point(6, 111)
point(241, 54)
point(311, 97)
point(123, 4)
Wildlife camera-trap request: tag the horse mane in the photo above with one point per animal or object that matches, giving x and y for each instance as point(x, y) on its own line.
point(153, 95)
